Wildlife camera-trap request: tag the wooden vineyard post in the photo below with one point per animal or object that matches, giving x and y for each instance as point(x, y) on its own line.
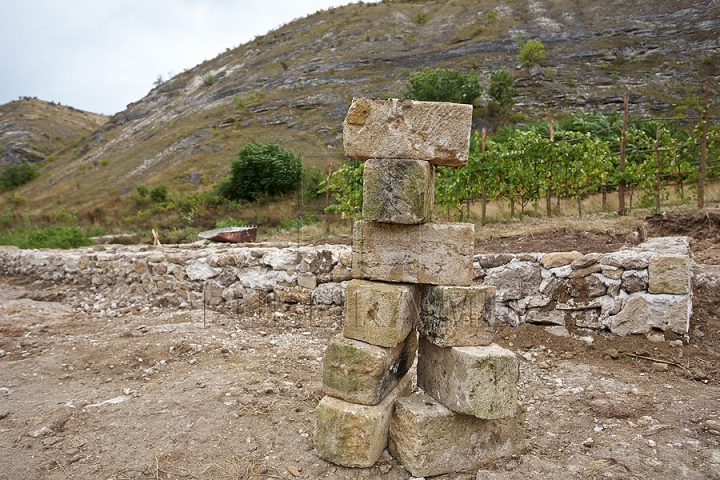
point(483, 145)
point(327, 200)
point(548, 192)
point(623, 142)
point(703, 149)
point(658, 166)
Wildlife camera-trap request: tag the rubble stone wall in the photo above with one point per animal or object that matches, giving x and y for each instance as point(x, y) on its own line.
point(636, 291)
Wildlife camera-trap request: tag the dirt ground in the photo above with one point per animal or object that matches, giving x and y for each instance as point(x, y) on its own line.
point(170, 394)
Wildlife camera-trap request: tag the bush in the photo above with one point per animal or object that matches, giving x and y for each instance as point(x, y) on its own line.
point(421, 18)
point(501, 91)
point(346, 187)
point(262, 168)
point(313, 182)
point(443, 85)
point(159, 194)
point(531, 51)
point(16, 175)
point(50, 237)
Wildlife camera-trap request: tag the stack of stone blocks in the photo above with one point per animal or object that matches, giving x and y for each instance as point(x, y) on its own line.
point(410, 275)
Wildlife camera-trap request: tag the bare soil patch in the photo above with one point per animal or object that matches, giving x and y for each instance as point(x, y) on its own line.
point(158, 394)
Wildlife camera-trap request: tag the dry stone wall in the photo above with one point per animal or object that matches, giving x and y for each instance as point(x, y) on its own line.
point(125, 277)
point(644, 290)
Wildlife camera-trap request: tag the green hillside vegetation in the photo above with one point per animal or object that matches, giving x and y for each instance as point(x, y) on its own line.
point(292, 87)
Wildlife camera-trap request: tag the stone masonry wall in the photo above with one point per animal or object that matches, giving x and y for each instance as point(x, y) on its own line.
point(644, 290)
point(182, 275)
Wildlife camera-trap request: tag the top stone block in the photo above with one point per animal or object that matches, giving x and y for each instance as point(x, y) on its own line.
point(436, 132)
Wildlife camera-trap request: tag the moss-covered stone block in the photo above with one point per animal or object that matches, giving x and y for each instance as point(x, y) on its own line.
point(437, 132)
point(429, 253)
point(362, 373)
point(457, 316)
point(355, 435)
point(479, 381)
point(429, 439)
point(398, 191)
point(380, 313)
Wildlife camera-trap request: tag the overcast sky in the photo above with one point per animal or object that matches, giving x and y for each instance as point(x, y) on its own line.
point(100, 55)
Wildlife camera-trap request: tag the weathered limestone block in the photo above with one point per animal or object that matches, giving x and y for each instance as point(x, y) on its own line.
point(494, 260)
point(429, 439)
point(515, 280)
point(355, 435)
point(590, 318)
point(559, 259)
point(613, 273)
point(477, 381)
point(430, 253)
point(198, 270)
point(293, 295)
point(634, 281)
point(458, 316)
point(586, 260)
point(437, 132)
point(329, 294)
point(553, 317)
point(362, 373)
point(398, 191)
point(643, 312)
point(669, 274)
point(505, 314)
point(584, 272)
point(380, 313)
point(307, 280)
point(627, 259)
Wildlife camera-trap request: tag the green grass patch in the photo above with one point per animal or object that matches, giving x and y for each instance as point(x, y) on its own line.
point(48, 237)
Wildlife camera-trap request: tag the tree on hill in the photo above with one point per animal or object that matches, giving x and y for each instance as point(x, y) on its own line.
point(262, 168)
point(443, 85)
point(531, 51)
point(16, 175)
point(501, 91)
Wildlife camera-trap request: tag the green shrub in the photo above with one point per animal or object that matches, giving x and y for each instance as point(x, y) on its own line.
point(531, 51)
point(443, 85)
point(262, 168)
point(159, 194)
point(501, 91)
point(142, 191)
point(313, 184)
point(421, 18)
point(16, 175)
point(50, 237)
point(345, 186)
point(209, 79)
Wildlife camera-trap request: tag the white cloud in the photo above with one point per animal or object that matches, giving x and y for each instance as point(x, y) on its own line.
point(102, 55)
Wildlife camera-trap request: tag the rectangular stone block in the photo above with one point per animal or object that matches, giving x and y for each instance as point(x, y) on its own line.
point(437, 132)
point(380, 313)
point(457, 316)
point(430, 253)
point(429, 439)
point(669, 274)
point(398, 191)
point(643, 311)
point(477, 381)
point(362, 373)
point(354, 435)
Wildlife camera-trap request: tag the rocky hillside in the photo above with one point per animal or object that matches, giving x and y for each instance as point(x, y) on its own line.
point(293, 85)
point(31, 129)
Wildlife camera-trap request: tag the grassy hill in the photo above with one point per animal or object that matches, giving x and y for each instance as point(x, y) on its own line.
point(31, 130)
point(293, 85)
